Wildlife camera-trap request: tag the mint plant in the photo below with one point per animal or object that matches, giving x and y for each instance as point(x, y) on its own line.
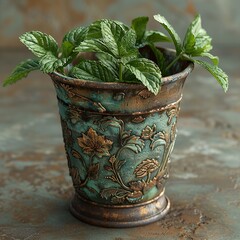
point(118, 55)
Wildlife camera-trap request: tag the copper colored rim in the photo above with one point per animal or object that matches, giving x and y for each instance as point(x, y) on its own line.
point(116, 85)
point(152, 111)
point(120, 217)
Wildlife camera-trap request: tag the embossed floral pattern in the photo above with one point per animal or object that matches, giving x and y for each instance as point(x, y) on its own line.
point(74, 114)
point(94, 144)
point(172, 113)
point(145, 167)
point(148, 132)
point(93, 171)
point(73, 171)
point(148, 173)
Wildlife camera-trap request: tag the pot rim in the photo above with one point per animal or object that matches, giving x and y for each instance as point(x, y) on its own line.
point(122, 85)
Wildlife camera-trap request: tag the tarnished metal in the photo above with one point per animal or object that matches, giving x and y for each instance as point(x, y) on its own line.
point(118, 140)
point(120, 215)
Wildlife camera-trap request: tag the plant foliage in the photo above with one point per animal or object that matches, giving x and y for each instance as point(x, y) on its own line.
point(117, 50)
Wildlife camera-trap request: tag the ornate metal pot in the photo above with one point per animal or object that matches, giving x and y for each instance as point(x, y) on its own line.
point(118, 139)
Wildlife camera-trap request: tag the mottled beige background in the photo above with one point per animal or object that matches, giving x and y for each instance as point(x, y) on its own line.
point(220, 17)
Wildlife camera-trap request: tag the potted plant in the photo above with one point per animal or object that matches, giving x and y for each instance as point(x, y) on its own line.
point(119, 94)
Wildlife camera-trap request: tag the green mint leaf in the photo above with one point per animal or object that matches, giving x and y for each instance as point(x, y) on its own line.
point(214, 59)
point(160, 59)
point(50, 63)
point(147, 72)
point(39, 43)
point(21, 71)
point(112, 34)
point(109, 62)
point(191, 34)
point(103, 56)
point(67, 49)
point(93, 45)
point(175, 37)
point(202, 45)
point(129, 77)
point(196, 40)
point(111, 65)
point(71, 40)
point(127, 45)
point(217, 72)
point(94, 30)
point(75, 36)
point(116, 41)
point(139, 25)
point(155, 36)
point(119, 40)
point(93, 71)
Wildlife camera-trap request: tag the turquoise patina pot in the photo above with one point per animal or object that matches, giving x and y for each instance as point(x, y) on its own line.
point(118, 139)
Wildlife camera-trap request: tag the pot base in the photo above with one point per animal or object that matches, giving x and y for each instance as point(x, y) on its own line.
point(122, 215)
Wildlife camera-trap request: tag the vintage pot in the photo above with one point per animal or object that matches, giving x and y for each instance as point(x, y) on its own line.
point(118, 139)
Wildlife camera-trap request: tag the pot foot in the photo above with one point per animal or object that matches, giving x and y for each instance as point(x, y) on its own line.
point(120, 216)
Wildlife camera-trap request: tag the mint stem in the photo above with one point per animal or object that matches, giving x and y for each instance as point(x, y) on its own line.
point(174, 61)
point(120, 71)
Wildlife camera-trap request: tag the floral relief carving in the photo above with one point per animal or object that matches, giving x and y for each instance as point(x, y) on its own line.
point(148, 132)
point(74, 95)
point(146, 167)
point(75, 176)
point(94, 144)
point(172, 113)
point(93, 171)
point(133, 191)
point(138, 119)
point(149, 173)
point(69, 90)
point(74, 114)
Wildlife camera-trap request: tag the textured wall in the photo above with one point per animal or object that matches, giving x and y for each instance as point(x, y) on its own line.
point(221, 17)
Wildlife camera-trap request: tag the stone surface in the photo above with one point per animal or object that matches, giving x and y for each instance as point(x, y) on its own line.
point(204, 184)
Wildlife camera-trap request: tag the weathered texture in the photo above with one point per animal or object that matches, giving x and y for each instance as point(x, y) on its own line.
point(118, 140)
point(204, 184)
